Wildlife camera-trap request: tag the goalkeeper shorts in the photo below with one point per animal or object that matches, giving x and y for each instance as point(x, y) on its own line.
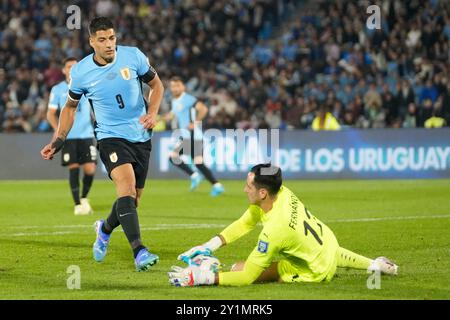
point(290, 272)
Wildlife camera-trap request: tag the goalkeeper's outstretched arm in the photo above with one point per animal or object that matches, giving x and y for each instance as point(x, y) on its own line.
point(240, 227)
point(248, 275)
point(234, 231)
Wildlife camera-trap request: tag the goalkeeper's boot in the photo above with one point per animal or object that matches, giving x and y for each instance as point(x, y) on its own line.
point(217, 189)
point(101, 243)
point(144, 260)
point(384, 265)
point(195, 181)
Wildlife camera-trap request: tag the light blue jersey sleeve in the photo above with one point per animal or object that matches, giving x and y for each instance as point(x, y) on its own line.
point(82, 127)
point(143, 64)
point(76, 82)
point(53, 101)
point(184, 110)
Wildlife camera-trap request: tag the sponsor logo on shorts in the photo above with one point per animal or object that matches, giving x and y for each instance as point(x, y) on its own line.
point(113, 157)
point(93, 152)
point(66, 157)
point(263, 246)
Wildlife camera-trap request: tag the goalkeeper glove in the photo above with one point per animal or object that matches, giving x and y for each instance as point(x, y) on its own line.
point(205, 249)
point(190, 276)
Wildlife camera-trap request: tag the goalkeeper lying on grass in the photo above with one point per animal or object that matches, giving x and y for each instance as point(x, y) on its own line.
point(310, 249)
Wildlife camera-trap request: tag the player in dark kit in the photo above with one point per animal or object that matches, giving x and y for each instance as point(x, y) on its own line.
point(111, 79)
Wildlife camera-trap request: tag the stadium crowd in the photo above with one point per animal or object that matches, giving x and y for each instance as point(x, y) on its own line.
point(256, 63)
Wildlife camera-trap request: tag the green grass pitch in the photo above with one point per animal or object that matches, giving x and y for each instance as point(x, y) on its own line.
point(407, 221)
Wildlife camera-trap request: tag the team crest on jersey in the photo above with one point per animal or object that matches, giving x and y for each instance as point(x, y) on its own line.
point(263, 246)
point(113, 157)
point(125, 72)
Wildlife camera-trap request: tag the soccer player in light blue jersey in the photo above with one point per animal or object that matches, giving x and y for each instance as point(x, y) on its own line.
point(189, 112)
point(79, 149)
point(111, 79)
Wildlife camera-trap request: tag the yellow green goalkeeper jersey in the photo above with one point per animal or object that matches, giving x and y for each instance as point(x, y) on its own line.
point(304, 243)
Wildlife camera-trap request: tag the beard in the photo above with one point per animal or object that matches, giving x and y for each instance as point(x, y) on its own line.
point(108, 59)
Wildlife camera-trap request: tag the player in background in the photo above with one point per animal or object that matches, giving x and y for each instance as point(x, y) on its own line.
point(79, 149)
point(189, 112)
point(111, 79)
point(309, 248)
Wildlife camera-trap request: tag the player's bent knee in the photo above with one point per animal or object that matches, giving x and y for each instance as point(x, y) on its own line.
point(270, 274)
point(198, 160)
point(89, 168)
point(126, 187)
point(126, 192)
point(138, 196)
point(175, 160)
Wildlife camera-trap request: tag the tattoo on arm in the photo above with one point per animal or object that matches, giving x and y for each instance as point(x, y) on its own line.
point(63, 134)
point(66, 118)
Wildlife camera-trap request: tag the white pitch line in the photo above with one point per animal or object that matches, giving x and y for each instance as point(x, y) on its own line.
point(75, 226)
point(444, 216)
point(156, 227)
point(26, 234)
point(84, 226)
point(166, 226)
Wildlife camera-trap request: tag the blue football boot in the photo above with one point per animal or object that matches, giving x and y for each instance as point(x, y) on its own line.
point(101, 243)
point(144, 260)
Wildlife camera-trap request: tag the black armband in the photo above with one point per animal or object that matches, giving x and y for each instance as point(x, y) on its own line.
point(58, 144)
point(74, 96)
point(149, 75)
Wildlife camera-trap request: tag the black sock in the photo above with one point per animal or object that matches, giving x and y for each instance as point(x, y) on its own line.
point(180, 164)
point(128, 218)
point(112, 221)
point(137, 249)
point(87, 183)
point(206, 172)
point(74, 182)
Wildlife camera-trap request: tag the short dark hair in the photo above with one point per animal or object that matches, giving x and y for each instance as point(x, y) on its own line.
point(68, 59)
point(100, 23)
point(267, 176)
point(176, 79)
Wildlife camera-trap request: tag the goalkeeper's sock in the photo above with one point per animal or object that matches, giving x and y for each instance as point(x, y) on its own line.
point(112, 221)
point(128, 218)
point(180, 164)
point(349, 259)
point(74, 181)
point(206, 173)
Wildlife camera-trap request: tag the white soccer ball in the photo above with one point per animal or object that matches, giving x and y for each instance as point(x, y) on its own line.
point(207, 263)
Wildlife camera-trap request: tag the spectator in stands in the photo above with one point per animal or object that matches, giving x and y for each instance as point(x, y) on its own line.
point(410, 120)
point(435, 121)
point(241, 53)
point(325, 120)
